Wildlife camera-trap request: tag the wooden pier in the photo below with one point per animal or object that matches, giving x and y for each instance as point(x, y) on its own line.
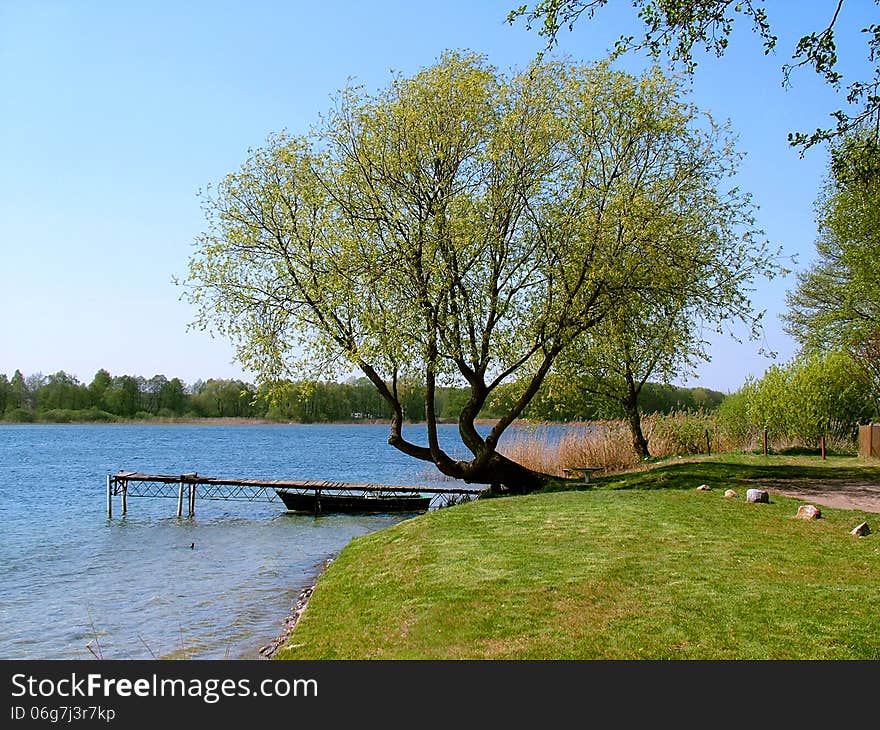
point(191, 487)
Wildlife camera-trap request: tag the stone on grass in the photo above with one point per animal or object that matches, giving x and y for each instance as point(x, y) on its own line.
point(808, 512)
point(757, 495)
point(703, 488)
point(861, 530)
point(730, 493)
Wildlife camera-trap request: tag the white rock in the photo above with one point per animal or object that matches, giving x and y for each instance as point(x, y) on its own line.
point(757, 495)
point(808, 512)
point(861, 530)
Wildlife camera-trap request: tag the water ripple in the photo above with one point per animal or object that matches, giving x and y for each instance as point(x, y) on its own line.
point(133, 585)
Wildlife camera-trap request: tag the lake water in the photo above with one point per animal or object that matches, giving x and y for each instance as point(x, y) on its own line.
point(131, 587)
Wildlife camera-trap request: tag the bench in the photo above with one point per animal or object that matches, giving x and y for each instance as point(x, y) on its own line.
point(584, 470)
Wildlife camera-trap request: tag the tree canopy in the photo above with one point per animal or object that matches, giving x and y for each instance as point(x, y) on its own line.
point(676, 28)
point(836, 302)
point(468, 226)
point(837, 299)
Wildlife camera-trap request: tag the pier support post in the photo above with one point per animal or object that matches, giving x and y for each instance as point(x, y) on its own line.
point(125, 498)
point(192, 500)
point(180, 499)
point(109, 498)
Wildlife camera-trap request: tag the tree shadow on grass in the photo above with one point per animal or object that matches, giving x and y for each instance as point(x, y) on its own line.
point(724, 475)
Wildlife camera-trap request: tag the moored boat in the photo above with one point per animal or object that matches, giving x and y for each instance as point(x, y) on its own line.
point(315, 502)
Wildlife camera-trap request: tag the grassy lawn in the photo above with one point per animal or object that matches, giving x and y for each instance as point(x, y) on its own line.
point(640, 566)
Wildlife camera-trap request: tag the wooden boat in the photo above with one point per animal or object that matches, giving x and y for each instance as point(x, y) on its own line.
point(320, 502)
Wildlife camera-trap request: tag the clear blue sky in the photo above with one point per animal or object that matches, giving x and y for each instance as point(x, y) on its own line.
point(113, 115)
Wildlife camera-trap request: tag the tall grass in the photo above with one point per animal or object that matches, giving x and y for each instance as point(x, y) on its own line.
point(605, 444)
point(608, 444)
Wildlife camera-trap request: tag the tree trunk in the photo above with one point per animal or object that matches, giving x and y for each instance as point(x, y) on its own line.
point(634, 418)
point(488, 466)
point(507, 477)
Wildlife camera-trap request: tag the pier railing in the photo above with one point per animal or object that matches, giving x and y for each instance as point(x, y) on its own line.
point(191, 487)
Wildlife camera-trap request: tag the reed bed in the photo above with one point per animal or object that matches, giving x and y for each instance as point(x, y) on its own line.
point(551, 448)
point(608, 444)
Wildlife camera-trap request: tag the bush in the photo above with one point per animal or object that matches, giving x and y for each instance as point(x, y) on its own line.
point(84, 415)
point(19, 415)
point(682, 433)
point(55, 415)
point(95, 414)
point(736, 429)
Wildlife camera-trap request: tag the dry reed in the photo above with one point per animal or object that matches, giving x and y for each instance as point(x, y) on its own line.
point(608, 444)
point(551, 448)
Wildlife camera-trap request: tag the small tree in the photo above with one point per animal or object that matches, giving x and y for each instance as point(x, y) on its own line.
point(803, 400)
point(826, 399)
point(771, 402)
point(734, 417)
point(617, 358)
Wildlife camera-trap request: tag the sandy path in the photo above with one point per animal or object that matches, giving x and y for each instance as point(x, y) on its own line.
point(864, 496)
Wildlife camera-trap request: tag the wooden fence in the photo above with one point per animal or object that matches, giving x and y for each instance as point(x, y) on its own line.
point(869, 441)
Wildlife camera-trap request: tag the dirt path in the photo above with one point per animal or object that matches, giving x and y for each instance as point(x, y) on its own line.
point(864, 496)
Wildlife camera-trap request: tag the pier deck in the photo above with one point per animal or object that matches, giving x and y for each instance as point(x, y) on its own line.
point(194, 486)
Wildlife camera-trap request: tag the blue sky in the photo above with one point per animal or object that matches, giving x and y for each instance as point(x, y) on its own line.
point(114, 115)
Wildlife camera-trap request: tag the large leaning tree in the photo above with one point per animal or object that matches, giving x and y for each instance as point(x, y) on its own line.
point(465, 225)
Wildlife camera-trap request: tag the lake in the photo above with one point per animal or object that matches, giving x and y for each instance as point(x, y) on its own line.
point(131, 587)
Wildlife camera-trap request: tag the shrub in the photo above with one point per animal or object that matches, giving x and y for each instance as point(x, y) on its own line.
point(19, 415)
point(681, 433)
point(736, 429)
point(95, 414)
point(84, 415)
point(55, 415)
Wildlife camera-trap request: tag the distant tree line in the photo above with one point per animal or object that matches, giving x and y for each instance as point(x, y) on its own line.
point(62, 397)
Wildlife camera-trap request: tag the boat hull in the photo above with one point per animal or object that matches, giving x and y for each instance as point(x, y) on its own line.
point(313, 503)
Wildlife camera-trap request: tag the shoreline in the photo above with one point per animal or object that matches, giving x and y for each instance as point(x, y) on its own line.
point(269, 650)
point(233, 421)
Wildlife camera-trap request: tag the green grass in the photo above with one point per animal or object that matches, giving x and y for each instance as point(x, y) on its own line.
point(639, 567)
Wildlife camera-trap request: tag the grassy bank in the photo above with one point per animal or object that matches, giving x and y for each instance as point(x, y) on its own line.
point(639, 566)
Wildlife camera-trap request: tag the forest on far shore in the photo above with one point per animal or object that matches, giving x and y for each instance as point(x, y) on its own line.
point(62, 398)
